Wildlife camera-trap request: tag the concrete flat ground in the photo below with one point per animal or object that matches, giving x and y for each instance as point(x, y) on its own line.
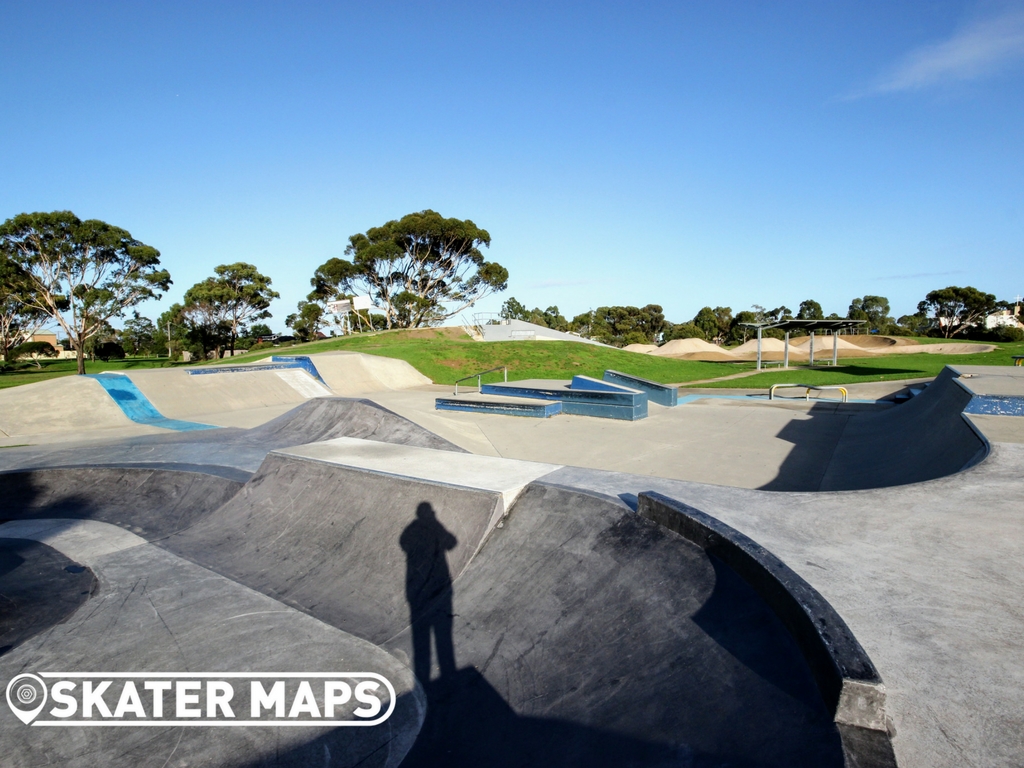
point(748, 444)
point(573, 622)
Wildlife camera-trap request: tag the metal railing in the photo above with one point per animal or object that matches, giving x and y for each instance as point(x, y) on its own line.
point(477, 376)
point(807, 394)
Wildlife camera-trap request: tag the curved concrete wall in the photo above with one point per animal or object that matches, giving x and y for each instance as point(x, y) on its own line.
point(925, 438)
point(150, 502)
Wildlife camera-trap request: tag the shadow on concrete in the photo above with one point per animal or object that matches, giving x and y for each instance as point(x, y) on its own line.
point(39, 588)
point(428, 588)
point(152, 502)
point(469, 722)
point(814, 442)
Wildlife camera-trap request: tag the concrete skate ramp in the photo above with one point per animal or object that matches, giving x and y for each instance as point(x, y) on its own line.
point(328, 418)
point(179, 396)
point(923, 439)
point(585, 635)
point(325, 538)
point(150, 502)
point(69, 403)
point(350, 374)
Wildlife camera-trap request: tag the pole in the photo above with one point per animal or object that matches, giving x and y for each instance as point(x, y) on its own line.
point(785, 353)
point(811, 363)
point(759, 347)
point(835, 349)
point(168, 341)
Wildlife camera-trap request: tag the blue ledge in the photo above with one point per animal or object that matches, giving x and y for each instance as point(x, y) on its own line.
point(277, 363)
point(538, 410)
point(661, 394)
point(137, 407)
point(620, 403)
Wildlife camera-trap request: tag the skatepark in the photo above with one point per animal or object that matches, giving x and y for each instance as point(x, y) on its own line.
point(729, 581)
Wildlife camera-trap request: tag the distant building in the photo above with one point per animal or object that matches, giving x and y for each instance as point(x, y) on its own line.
point(1005, 318)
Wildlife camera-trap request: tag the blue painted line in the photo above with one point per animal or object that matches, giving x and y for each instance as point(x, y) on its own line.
point(137, 407)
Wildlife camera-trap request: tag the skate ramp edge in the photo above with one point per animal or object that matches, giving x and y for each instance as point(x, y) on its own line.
point(924, 439)
point(847, 679)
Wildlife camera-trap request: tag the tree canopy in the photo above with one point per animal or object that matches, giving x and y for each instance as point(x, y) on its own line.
point(80, 273)
point(236, 296)
point(810, 310)
point(420, 269)
point(620, 326)
point(874, 309)
point(956, 310)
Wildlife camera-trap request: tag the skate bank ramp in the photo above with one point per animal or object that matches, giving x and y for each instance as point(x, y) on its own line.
point(923, 439)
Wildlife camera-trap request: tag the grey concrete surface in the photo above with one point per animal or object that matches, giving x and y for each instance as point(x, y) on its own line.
point(40, 588)
point(930, 578)
point(928, 575)
point(239, 449)
point(584, 635)
point(325, 538)
point(156, 612)
point(145, 501)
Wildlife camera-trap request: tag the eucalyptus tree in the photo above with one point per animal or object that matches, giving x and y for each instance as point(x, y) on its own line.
point(420, 269)
point(237, 295)
point(80, 273)
point(957, 309)
point(17, 320)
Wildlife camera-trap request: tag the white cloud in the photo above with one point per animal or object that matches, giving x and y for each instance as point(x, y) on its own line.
point(981, 48)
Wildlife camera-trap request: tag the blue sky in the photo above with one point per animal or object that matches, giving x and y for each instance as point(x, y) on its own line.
point(680, 153)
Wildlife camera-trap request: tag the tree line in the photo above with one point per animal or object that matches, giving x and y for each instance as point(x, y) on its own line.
point(952, 312)
point(56, 269)
point(420, 270)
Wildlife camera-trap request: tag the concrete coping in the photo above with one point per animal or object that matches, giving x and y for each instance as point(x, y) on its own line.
point(847, 679)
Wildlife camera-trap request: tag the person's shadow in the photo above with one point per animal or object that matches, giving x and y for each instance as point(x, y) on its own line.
point(428, 589)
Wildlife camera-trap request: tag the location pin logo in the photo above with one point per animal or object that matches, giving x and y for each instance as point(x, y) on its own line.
point(26, 696)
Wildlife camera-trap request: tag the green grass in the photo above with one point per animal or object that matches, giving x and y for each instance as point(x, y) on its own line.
point(55, 369)
point(880, 368)
point(444, 359)
point(445, 355)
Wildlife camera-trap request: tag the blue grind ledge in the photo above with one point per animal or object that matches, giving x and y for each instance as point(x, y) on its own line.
point(620, 403)
point(538, 409)
point(277, 363)
point(137, 407)
point(662, 394)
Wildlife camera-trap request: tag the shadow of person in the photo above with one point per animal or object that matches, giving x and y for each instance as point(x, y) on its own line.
point(428, 589)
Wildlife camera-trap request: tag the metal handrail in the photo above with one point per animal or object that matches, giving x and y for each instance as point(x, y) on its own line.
point(478, 375)
point(807, 394)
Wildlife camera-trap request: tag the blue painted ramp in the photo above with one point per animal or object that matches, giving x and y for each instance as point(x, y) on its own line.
point(137, 407)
